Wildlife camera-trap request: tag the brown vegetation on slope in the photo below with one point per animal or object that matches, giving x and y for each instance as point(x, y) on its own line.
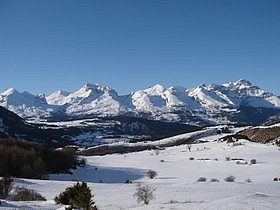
point(262, 135)
point(29, 160)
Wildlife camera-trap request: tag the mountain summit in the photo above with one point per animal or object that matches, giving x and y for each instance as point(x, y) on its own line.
point(235, 102)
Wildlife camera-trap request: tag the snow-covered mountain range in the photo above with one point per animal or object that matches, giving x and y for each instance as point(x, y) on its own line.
point(205, 104)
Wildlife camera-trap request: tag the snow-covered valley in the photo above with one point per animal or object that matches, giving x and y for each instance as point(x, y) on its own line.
point(176, 185)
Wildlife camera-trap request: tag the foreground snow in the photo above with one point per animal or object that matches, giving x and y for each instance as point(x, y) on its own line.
point(176, 185)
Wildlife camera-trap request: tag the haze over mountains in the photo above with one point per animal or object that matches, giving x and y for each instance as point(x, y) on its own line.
point(203, 105)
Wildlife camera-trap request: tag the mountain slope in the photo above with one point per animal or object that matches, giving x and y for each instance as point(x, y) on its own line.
point(13, 126)
point(264, 134)
point(87, 132)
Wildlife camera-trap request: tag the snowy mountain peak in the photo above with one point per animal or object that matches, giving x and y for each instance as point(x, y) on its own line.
point(155, 90)
point(89, 86)
point(9, 91)
point(95, 89)
point(240, 84)
point(25, 104)
point(13, 96)
point(62, 93)
point(243, 82)
point(41, 96)
point(57, 97)
point(177, 89)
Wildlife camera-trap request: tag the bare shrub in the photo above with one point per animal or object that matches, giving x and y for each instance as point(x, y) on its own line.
point(6, 184)
point(151, 174)
point(230, 178)
point(144, 194)
point(201, 179)
point(156, 151)
point(248, 180)
point(253, 161)
point(241, 162)
point(234, 144)
point(127, 181)
point(189, 146)
point(214, 180)
point(23, 194)
point(237, 159)
point(203, 159)
point(227, 158)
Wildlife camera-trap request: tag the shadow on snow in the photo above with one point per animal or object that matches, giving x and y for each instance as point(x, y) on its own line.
point(94, 174)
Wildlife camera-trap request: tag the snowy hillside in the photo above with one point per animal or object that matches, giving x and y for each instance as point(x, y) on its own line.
point(205, 104)
point(176, 186)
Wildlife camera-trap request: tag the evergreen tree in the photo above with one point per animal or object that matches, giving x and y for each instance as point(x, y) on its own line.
point(77, 196)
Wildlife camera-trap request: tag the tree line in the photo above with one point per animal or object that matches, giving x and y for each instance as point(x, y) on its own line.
point(30, 160)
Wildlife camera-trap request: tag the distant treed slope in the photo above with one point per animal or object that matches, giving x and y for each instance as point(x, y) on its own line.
point(263, 134)
point(273, 120)
point(12, 126)
point(204, 105)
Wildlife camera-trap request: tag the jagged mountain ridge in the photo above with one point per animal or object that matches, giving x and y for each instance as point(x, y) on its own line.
point(205, 104)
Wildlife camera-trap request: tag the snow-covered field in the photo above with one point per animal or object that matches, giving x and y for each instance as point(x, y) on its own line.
point(176, 186)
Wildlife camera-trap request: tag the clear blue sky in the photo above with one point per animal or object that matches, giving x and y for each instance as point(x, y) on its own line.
point(46, 45)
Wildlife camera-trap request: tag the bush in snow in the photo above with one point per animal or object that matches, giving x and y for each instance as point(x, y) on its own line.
point(241, 163)
point(6, 184)
point(173, 201)
point(156, 151)
point(234, 144)
point(248, 180)
point(191, 158)
point(189, 146)
point(227, 158)
point(23, 194)
point(201, 179)
point(151, 174)
point(214, 180)
point(127, 181)
point(144, 194)
point(253, 161)
point(230, 179)
point(275, 179)
point(78, 196)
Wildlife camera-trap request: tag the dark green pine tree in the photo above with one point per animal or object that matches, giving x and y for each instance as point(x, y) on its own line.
point(77, 196)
